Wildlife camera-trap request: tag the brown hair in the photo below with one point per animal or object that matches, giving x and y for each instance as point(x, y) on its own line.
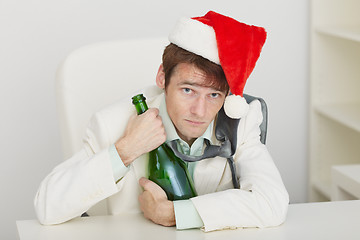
point(174, 55)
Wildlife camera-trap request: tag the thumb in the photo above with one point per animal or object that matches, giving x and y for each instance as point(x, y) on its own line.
point(152, 187)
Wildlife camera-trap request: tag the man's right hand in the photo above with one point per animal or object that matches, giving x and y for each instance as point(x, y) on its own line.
point(143, 133)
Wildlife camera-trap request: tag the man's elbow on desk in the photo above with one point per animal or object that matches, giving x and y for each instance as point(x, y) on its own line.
point(51, 215)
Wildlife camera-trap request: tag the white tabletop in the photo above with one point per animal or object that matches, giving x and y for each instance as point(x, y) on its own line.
point(328, 220)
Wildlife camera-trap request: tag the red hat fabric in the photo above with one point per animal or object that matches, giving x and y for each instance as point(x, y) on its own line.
point(234, 45)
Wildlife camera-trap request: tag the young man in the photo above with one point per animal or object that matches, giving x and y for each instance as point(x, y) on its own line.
point(192, 86)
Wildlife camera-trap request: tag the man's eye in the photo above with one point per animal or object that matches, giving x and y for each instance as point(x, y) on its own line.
point(186, 90)
point(214, 95)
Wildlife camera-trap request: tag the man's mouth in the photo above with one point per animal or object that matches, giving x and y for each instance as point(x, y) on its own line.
point(194, 123)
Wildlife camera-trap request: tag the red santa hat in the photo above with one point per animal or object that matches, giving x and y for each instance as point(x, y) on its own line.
point(234, 45)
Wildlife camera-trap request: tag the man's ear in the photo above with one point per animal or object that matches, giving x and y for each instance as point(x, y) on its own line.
point(160, 77)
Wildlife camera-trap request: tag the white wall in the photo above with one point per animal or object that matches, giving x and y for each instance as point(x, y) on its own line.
point(35, 35)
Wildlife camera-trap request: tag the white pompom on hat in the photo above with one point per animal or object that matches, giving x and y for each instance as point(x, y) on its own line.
point(234, 45)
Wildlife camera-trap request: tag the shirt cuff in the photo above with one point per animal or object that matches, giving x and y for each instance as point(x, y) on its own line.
point(119, 169)
point(186, 215)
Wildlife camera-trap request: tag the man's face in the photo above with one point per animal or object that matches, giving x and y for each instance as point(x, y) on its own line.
point(191, 103)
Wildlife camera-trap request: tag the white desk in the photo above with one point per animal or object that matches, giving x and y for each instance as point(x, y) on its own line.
point(329, 220)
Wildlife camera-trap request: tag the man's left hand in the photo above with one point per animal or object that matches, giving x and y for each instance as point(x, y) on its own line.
point(155, 205)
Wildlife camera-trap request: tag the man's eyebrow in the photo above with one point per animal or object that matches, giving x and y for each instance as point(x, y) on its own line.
point(197, 85)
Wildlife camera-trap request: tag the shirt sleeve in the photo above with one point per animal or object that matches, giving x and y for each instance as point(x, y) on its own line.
point(186, 215)
point(119, 169)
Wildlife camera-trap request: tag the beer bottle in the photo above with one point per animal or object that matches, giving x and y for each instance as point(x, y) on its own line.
point(165, 169)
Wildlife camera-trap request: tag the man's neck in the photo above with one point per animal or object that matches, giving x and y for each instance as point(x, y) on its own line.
point(190, 142)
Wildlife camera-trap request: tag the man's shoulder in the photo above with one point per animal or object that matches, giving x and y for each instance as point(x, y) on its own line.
point(255, 111)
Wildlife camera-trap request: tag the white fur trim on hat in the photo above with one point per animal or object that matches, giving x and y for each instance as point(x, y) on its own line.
point(235, 106)
point(196, 37)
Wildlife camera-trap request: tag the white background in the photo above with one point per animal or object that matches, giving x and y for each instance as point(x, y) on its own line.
point(36, 35)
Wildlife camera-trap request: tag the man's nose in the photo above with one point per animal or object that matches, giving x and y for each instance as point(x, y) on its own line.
point(198, 107)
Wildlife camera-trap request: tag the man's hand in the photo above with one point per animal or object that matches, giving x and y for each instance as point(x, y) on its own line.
point(155, 205)
point(143, 133)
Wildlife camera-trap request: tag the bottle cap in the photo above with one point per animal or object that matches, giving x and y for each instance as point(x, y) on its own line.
point(138, 98)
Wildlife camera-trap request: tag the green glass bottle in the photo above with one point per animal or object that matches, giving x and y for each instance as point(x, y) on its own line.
point(165, 169)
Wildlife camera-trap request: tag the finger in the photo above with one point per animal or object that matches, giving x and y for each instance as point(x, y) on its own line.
point(142, 201)
point(144, 182)
point(154, 111)
point(152, 187)
point(151, 113)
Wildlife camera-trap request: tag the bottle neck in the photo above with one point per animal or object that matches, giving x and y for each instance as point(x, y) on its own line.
point(141, 107)
point(140, 103)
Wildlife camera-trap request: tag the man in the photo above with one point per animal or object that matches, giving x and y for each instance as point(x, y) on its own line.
point(199, 68)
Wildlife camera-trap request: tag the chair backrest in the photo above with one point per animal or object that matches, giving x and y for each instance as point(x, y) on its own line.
point(96, 75)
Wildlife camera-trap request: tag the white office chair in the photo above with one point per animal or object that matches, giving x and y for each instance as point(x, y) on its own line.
point(96, 75)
